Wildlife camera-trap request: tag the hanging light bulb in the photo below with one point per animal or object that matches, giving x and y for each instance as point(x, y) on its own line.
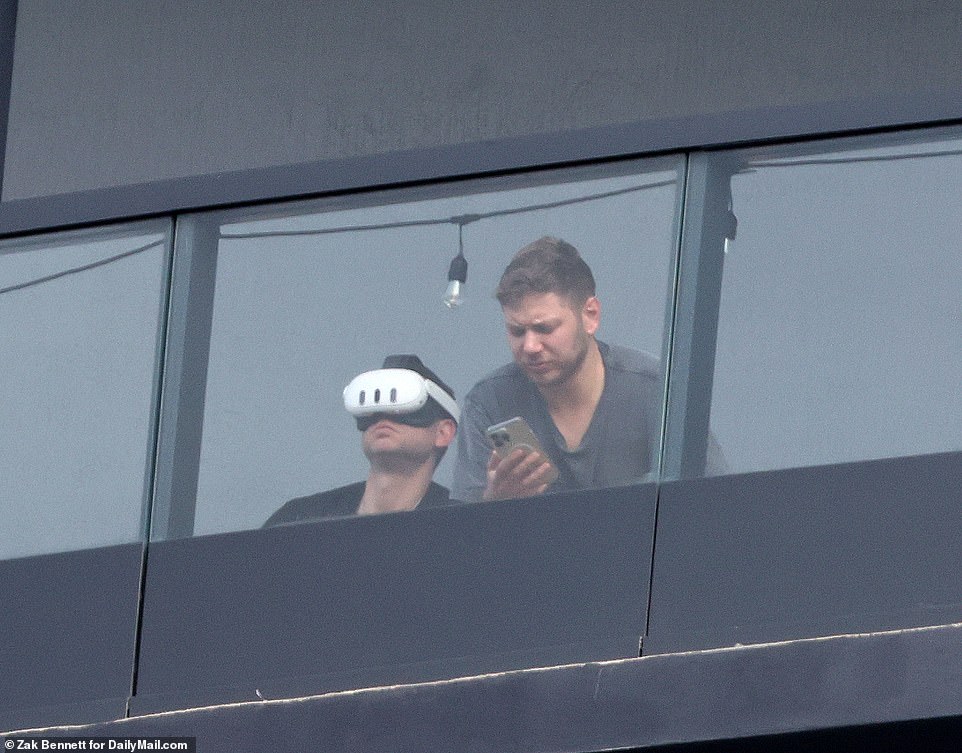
point(458, 271)
point(457, 277)
point(452, 295)
point(731, 225)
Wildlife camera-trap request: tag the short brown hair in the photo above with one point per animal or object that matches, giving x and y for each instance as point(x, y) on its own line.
point(548, 265)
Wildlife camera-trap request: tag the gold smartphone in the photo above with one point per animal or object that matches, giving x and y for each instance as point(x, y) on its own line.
point(515, 433)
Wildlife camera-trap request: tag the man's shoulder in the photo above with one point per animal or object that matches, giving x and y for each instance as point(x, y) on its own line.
point(436, 496)
point(618, 358)
point(332, 503)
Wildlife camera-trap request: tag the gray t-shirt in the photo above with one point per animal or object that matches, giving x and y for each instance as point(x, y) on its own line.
point(619, 447)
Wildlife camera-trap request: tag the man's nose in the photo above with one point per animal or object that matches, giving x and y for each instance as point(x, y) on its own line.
point(531, 343)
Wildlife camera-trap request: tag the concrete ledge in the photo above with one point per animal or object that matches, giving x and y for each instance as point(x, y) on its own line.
point(780, 689)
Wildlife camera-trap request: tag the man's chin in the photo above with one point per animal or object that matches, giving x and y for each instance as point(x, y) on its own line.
point(394, 459)
point(547, 377)
point(540, 375)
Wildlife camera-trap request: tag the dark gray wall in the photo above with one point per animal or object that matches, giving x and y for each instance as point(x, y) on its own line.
point(115, 92)
point(385, 599)
point(69, 630)
point(806, 552)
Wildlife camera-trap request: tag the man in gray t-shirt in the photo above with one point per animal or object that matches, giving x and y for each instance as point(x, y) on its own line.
point(618, 447)
point(595, 408)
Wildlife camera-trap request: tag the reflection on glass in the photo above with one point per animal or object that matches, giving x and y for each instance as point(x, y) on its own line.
point(309, 297)
point(80, 317)
point(838, 333)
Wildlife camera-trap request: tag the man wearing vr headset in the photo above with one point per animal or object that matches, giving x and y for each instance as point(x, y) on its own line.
point(407, 418)
point(594, 408)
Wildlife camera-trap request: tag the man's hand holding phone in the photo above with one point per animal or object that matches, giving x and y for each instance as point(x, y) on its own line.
point(518, 466)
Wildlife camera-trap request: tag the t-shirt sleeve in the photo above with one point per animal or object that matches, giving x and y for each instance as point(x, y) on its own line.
point(291, 512)
point(334, 503)
point(470, 468)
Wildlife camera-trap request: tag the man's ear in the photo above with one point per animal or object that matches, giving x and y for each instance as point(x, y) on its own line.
point(591, 315)
point(444, 431)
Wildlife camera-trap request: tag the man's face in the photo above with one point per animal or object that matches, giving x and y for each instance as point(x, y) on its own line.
point(390, 441)
point(549, 336)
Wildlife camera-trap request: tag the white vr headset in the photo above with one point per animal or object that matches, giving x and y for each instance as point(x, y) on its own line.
point(396, 391)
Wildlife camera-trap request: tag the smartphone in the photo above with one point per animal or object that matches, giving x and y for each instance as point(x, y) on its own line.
point(515, 433)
